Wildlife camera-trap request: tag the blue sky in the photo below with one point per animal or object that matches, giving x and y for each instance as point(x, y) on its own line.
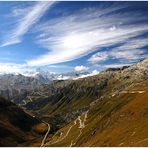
point(67, 36)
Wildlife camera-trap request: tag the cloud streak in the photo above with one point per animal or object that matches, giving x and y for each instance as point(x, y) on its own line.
point(26, 21)
point(76, 35)
point(130, 51)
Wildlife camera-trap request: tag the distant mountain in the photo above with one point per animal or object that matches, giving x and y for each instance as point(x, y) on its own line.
point(16, 87)
point(46, 76)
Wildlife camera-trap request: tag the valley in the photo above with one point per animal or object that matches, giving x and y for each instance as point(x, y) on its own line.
point(107, 109)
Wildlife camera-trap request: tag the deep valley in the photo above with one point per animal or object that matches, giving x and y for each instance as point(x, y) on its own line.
point(107, 109)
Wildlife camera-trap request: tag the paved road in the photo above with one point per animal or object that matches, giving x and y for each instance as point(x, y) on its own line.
point(44, 139)
point(81, 126)
point(134, 91)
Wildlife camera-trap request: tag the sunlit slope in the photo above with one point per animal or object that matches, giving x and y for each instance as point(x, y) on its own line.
point(120, 120)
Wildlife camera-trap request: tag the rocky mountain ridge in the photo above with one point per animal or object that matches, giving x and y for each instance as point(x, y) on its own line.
point(109, 103)
point(52, 99)
point(16, 86)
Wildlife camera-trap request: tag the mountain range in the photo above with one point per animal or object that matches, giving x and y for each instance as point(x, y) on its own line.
point(107, 109)
point(15, 85)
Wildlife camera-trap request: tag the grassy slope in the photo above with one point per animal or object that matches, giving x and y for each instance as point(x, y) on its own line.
point(120, 120)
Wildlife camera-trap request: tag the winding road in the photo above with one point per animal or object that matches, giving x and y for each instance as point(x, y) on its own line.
point(64, 135)
point(81, 126)
point(44, 139)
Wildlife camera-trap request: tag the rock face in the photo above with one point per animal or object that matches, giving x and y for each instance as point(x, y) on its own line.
point(16, 87)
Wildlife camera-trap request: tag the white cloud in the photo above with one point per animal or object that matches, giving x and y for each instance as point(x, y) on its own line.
point(80, 68)
point(98, 57)
point(71, 37)
point(128, 55)
point(129, 51)
point(6, 68)
point(112, 28)
point(26, 21)
point(94, 72)
point(61, 77)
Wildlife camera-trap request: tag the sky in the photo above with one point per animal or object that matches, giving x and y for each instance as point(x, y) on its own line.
point(71, 36)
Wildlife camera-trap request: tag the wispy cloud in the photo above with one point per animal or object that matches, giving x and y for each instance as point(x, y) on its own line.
point(98, 57)
point(73, 36)
point(25, 21)
point(130, 51)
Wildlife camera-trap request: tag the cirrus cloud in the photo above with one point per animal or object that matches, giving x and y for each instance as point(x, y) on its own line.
point(25, 22)
point(130, 51)
point(76, 35)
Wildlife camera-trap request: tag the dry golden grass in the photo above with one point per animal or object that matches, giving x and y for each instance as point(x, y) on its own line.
point(40, 128)
point(126, 127)
point(118, 121)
